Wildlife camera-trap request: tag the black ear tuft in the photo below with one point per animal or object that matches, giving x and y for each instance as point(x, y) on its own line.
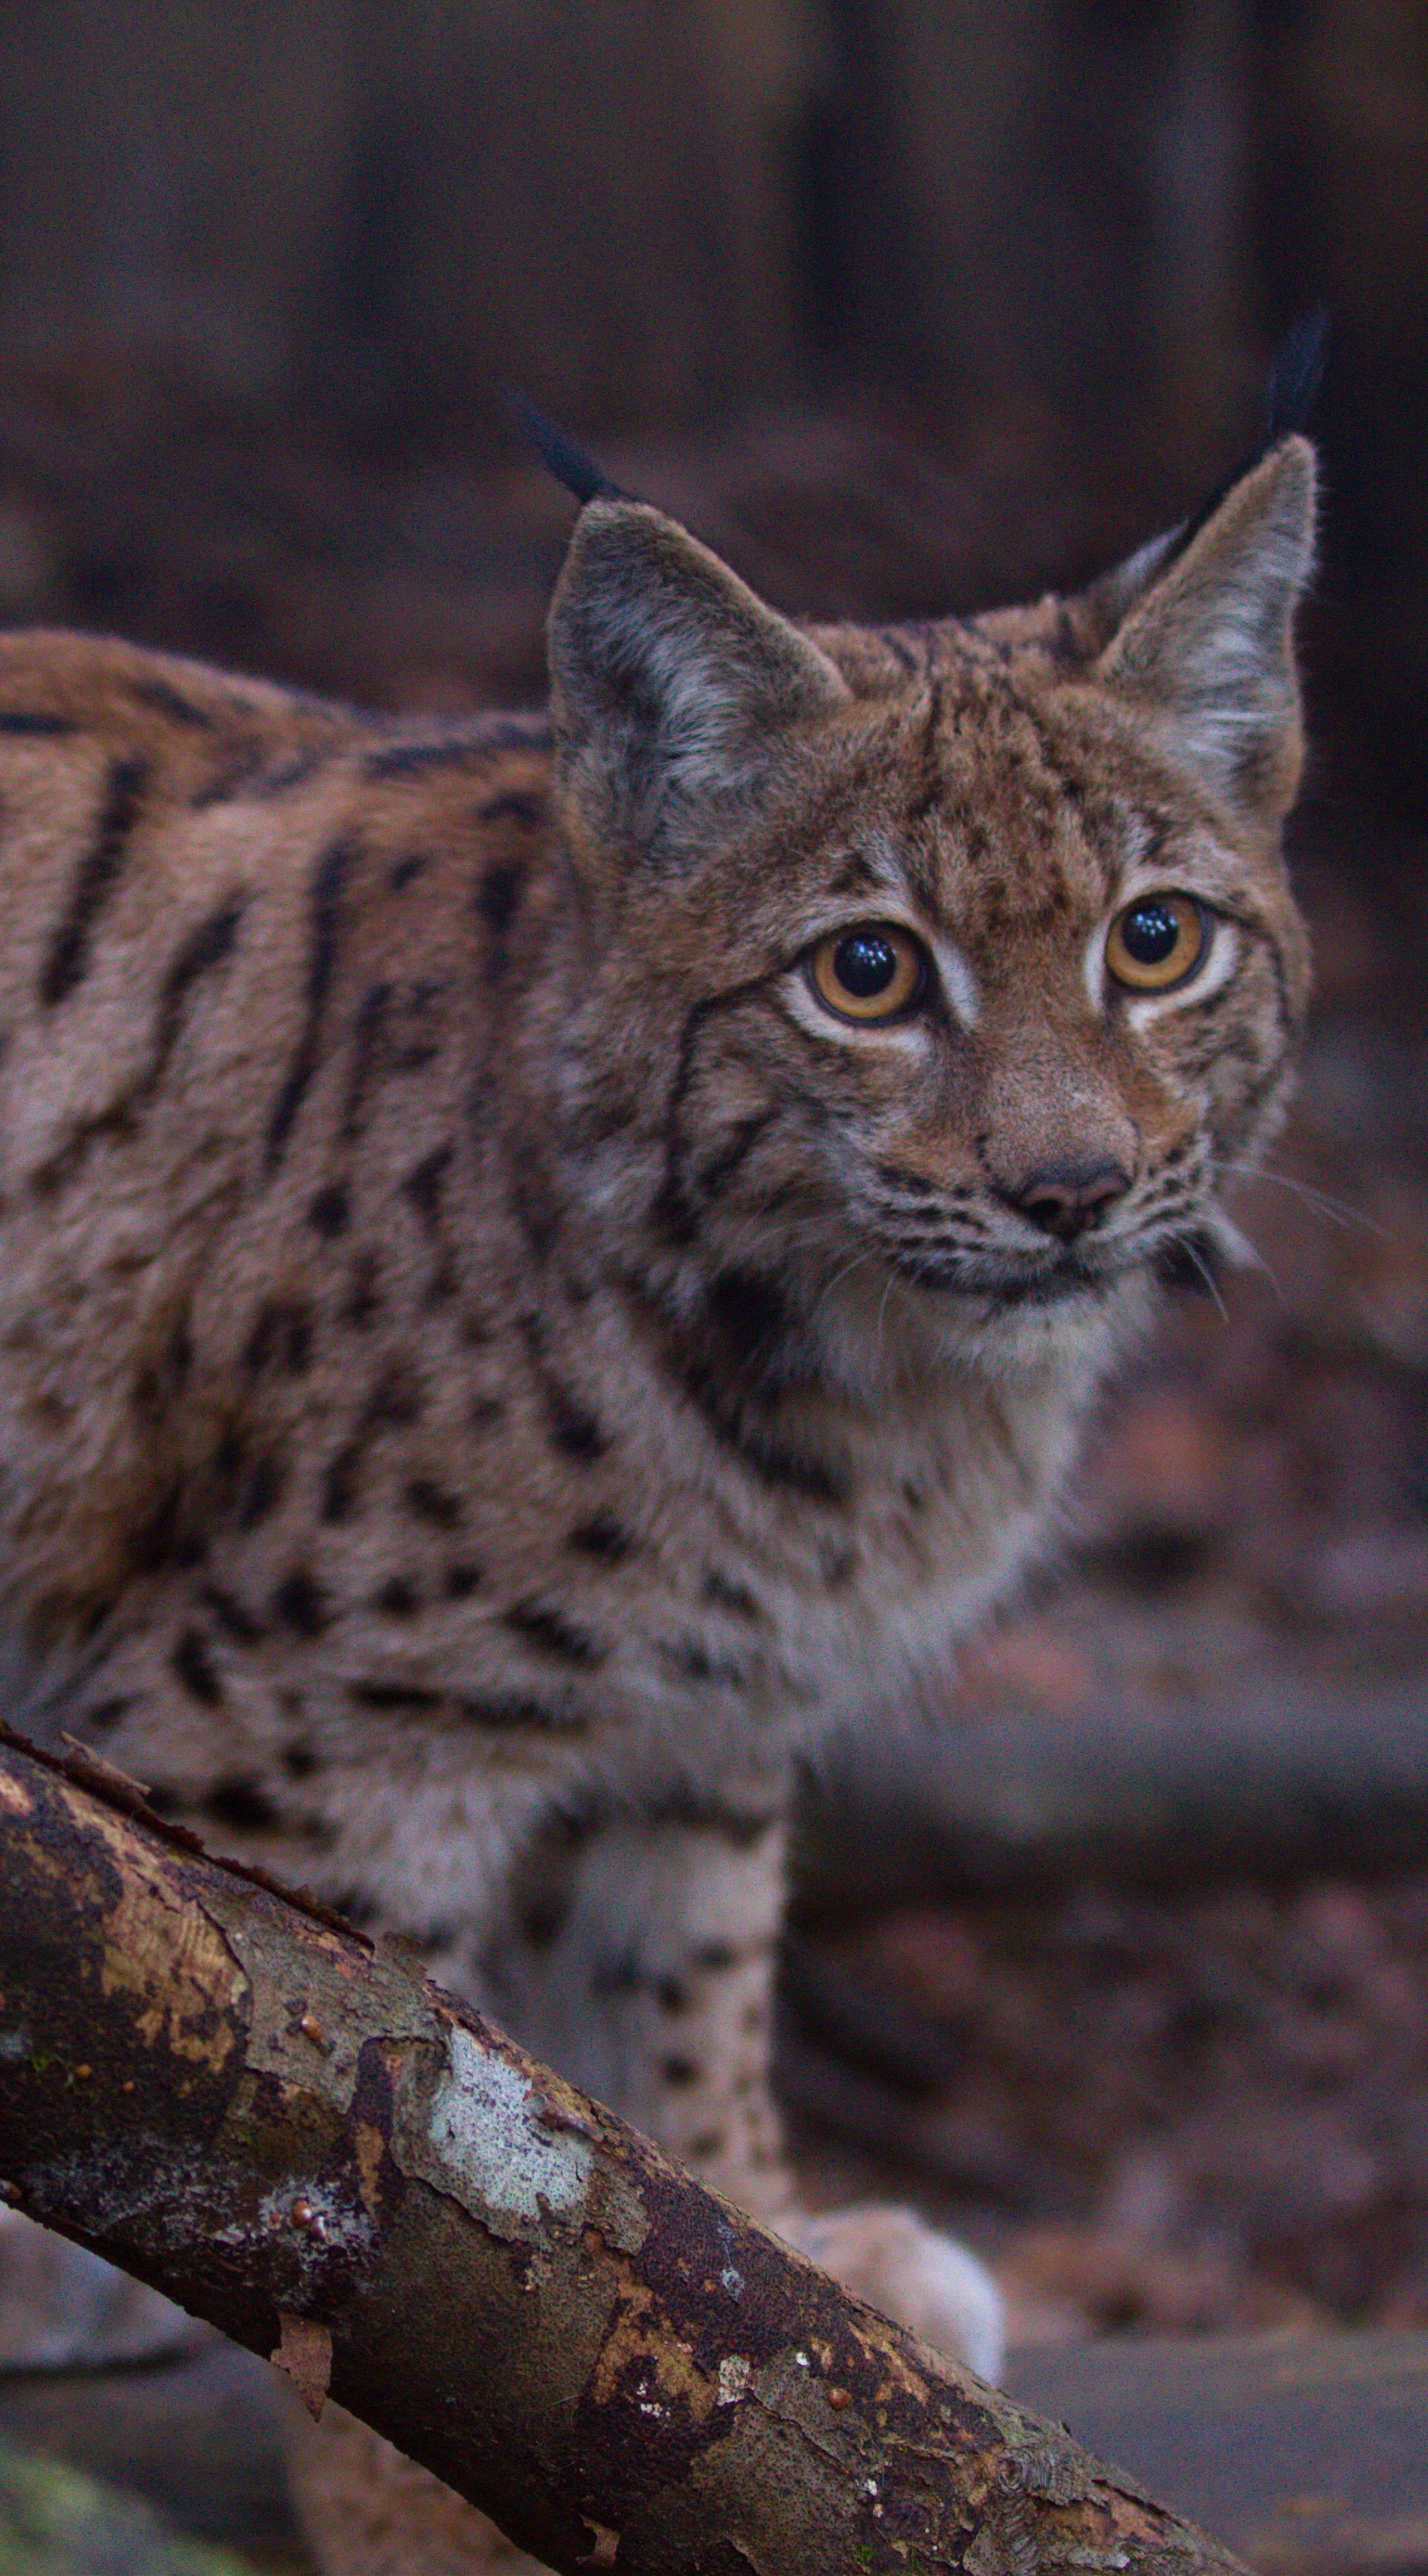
point(1296, 374)
point(562, 455)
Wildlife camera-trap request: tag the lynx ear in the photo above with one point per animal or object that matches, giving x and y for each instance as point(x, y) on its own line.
point(1206, 648)
point(672, 684)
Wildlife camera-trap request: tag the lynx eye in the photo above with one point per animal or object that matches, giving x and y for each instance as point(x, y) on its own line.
point(1156, 942)
point(869, 973)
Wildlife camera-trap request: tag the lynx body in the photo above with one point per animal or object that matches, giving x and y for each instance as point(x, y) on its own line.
point(508, 1326)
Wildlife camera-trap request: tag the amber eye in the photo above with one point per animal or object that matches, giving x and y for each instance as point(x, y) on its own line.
point(870, 973)
point(1156, 942)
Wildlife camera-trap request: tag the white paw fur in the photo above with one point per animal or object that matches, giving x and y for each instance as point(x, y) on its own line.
point(891, 2258)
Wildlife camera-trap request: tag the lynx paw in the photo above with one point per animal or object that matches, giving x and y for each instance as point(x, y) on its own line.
point(889, 2257)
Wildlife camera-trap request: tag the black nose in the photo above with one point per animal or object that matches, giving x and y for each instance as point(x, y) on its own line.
point(1065, 1198)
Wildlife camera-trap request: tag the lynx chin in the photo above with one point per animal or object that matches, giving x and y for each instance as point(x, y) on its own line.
point(545, 1261)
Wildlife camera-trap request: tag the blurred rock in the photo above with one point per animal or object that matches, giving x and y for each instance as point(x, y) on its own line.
point(62, 2308)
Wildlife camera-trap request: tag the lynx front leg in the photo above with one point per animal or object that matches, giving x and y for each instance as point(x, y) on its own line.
point(647, 1971)
point(638, 1957)
point(640, 1962)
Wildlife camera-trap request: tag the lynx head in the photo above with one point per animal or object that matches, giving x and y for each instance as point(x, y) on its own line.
point(956, 964)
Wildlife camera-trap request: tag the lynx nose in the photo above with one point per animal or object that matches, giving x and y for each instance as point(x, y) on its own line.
point(1065, 1198)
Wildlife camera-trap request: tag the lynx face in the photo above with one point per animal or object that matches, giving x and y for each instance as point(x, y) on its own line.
point(966, 955)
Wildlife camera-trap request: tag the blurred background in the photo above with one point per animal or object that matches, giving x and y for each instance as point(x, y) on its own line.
point(1119, 1954)
point(911, 303)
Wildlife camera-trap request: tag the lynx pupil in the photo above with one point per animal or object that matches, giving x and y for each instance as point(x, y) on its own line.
point(865, 964)
point(1151, 933)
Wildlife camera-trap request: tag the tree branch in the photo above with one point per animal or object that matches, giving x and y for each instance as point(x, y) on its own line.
point(282, 2126)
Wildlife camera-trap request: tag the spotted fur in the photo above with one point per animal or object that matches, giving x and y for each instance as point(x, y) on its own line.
point(488, 1363)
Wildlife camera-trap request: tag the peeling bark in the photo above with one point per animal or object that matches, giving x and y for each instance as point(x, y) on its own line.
point(256, 2110)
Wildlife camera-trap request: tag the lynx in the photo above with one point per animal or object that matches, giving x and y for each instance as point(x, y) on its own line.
point(547, 1262)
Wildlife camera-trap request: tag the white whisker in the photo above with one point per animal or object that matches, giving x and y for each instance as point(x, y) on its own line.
point(1232, 1241)
point(1208, 1276)
point(882, 1310)
point(1258, 1260)
point(836, 1282)
point(1318, 1201)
